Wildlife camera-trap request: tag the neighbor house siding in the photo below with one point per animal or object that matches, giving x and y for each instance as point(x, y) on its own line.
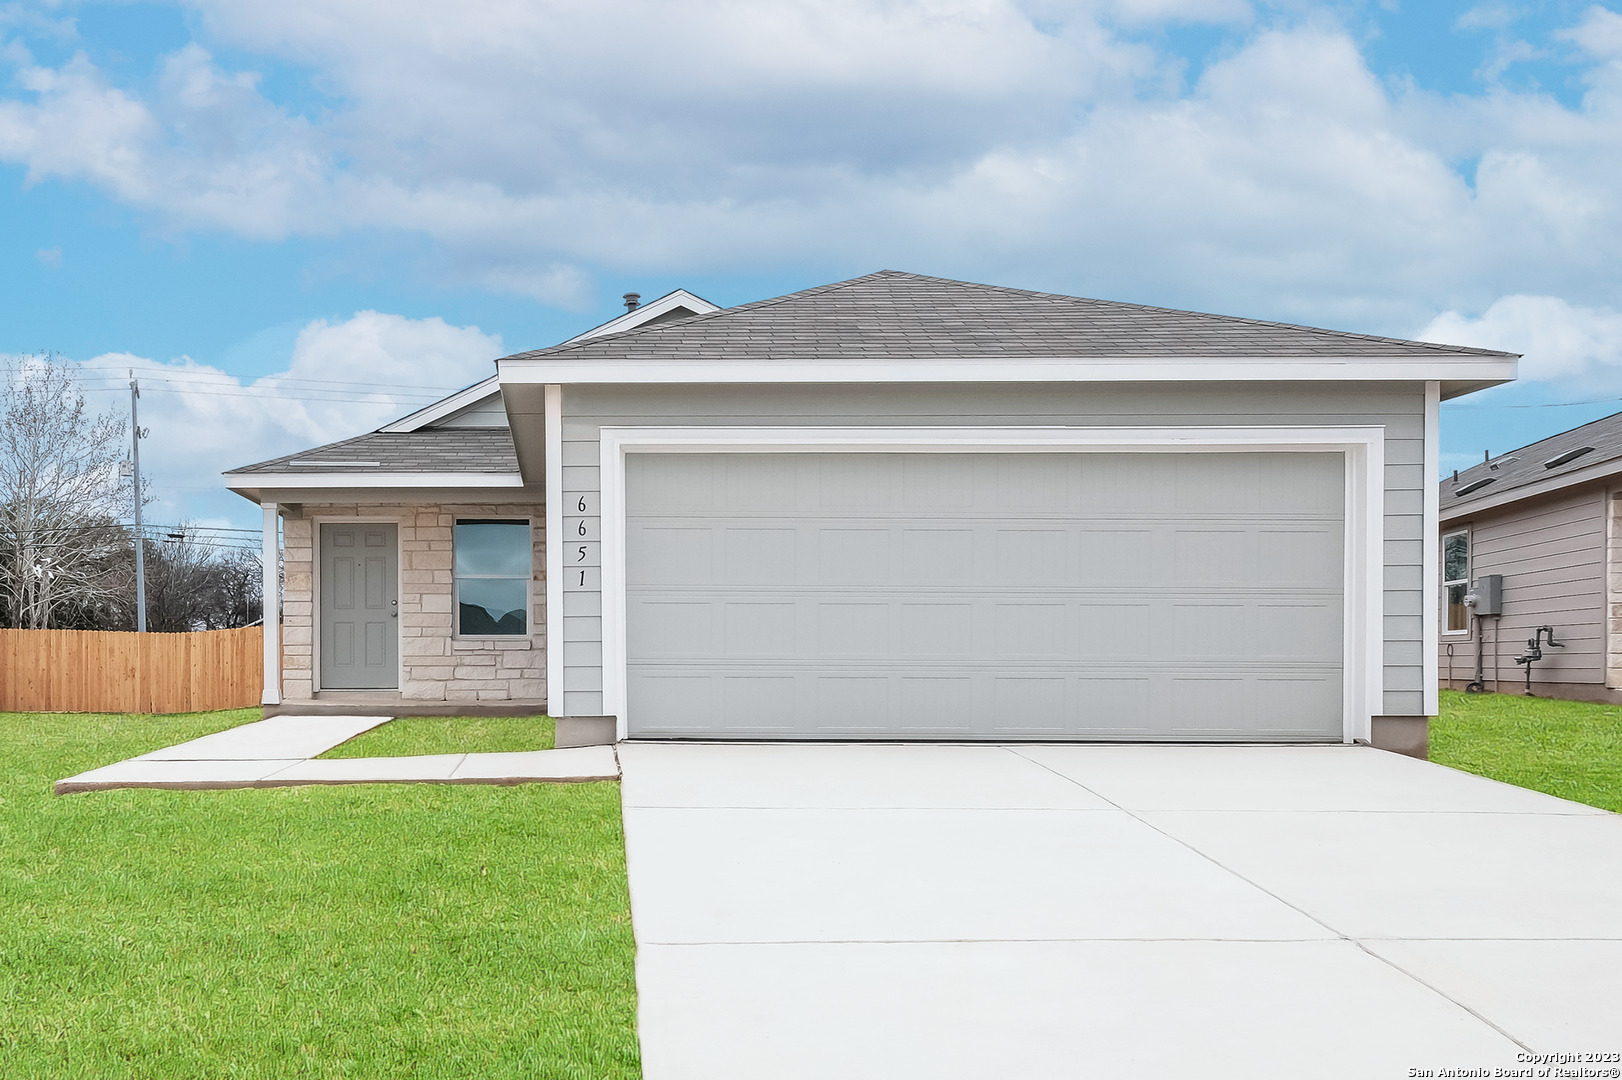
point(1551, 552)
point(434, 664)
point(1398, 407)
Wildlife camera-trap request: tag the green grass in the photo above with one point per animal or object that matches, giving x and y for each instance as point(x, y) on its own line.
point(359, 931)
point(412, 735)
point(1567, 748)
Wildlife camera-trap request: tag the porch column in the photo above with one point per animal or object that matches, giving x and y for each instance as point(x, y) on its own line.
point(272, 622)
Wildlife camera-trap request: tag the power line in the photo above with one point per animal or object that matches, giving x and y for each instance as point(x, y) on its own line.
point(1536, 405)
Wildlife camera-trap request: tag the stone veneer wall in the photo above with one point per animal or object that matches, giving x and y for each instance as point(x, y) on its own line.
point(434, 665)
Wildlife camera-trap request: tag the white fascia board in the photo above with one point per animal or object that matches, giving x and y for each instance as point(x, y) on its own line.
point(307, 481)
point(651, 310)
point(458, 401)
point(1182, 369)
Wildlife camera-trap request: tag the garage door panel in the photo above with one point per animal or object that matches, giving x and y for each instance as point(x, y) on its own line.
point(671, 628)
point(937, 630)
point(1118, 631)
point(931, 482)
point(769, 628)
point(936, 555)
point(853, 629)
point(1278, 703)
point(759, 482)
point(851, 556)
point(669, 555)
point(933, 705)
point(1212, 556)
point(1301, 484)
point(1043, 631)
point(1128, 484)
point(1041, 482)
point(1298, 556)
point(1118, 556)
point(1310, 632)
point(759, 555)
point(856, 482)
point(1043, 595)
point(1030, 556)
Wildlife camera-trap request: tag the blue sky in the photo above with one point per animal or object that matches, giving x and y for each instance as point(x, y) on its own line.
point(299, 219)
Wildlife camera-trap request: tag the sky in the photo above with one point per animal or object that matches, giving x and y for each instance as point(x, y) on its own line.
point(297, 221)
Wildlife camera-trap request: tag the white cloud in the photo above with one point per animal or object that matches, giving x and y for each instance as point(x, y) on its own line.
point(1560, 342)
point(343, 379)
point(50, 257)
point(1032, 142)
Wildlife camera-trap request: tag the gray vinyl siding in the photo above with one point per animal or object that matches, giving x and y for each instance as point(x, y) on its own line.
point(1551, 552)
point(1398, 407)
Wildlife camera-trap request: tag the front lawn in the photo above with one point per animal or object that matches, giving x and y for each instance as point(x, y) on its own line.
point(351, 931)
point(412, 735)
point(1567, 748)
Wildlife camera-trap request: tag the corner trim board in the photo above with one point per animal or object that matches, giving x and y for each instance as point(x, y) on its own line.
point(553, 434)
point(1430, 561)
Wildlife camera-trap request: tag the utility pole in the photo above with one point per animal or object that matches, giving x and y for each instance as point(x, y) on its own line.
point(140, 540)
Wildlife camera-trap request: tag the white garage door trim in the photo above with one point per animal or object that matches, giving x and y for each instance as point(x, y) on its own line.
point(1363, 447)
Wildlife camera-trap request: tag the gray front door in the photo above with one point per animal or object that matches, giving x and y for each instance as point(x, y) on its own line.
point(360, 609)
point(1177, 596)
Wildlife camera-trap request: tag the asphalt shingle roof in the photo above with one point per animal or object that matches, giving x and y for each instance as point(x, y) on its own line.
point(893, 315)
point(1529, 464)
point(431, 450)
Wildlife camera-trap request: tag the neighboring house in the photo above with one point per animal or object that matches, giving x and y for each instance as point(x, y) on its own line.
point(892, 507)
point(1544, 517)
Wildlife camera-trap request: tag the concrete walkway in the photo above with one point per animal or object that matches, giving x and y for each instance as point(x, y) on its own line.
point(282, 751)
point(1112, 911)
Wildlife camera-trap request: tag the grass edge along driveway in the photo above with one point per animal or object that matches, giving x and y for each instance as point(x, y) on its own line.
point(1572, 749)
point(356, 931)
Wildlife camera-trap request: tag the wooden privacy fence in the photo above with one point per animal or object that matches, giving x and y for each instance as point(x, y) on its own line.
point(107, 671)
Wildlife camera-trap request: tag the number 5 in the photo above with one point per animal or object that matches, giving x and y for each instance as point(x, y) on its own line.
point(582, 556)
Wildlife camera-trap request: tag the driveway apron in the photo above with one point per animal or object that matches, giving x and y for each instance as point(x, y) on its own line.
point(890, 911)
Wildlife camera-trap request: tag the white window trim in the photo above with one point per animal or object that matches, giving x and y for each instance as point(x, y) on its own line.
point(1447, 582)
point(398, 521)
point(529, 579)
point(1364, 571)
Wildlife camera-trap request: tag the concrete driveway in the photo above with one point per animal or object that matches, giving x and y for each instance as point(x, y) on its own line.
point(933, 911)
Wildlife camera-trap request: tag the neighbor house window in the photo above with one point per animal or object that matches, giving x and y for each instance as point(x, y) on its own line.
point(492, 577)
point(1456, 581)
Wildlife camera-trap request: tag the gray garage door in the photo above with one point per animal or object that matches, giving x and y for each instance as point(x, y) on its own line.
point(985, 596)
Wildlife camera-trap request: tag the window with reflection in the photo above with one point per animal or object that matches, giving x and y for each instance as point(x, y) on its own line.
point(1456, 581)
point(492, 577)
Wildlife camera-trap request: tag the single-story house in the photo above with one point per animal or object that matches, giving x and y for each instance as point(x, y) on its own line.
point(895, 507)
point(1544, 519)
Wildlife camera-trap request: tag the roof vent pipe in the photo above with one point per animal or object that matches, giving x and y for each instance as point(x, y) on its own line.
point(633, 300)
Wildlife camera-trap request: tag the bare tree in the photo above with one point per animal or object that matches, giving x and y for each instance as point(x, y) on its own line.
point(193, 583)
point(61, 495)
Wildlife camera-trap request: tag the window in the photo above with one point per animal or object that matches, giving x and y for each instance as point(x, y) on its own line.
point(492, 577)
point(1456, 581)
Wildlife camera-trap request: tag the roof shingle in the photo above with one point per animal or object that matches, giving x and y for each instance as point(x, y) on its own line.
point(895, 315)
point(430, 450)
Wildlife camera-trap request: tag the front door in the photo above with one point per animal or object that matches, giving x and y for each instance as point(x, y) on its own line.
point(360, 636)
